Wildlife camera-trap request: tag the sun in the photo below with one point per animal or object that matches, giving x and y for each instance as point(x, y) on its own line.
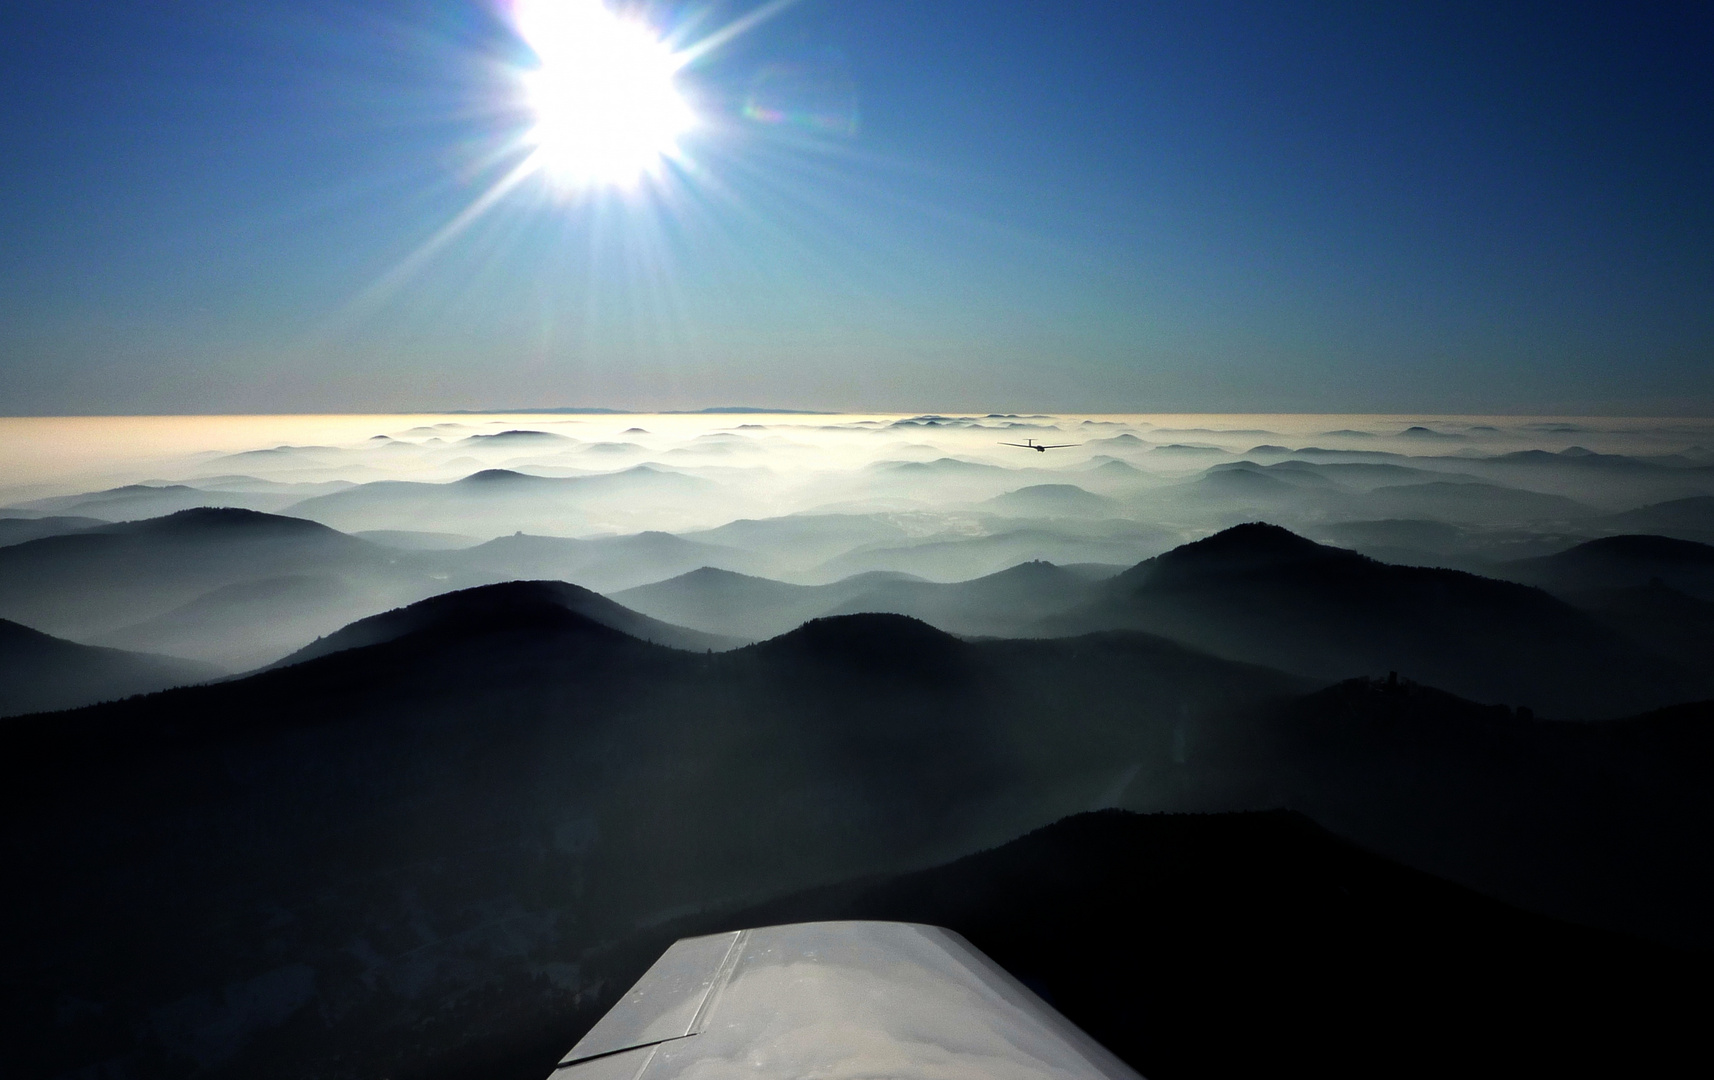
point(605, 100)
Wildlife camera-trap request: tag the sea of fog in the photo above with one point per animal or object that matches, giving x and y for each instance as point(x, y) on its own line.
point(813, 498)
point(763, 462)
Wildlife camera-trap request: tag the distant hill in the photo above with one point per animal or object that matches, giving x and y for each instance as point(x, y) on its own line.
point(247, 624)
point(19, 529)
point(607, 563)
point(960, 558)
point(1617, 562)
point(1052, 500)
point(999, 605)
point(1684, 519)
point(1261, 593)
point(1471, 503)
point(412, 540)
point(753, 607)
point(135, 502)
point(497, 501)
point(104, 578)
point(470, 610)
point(40, 673)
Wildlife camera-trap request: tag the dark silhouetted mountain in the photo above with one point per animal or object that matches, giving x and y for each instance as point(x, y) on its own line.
point(607, 563)
point(1051, 500)
point(1263, 594)
point(1000, 605)
point(486, 604)
point(1417, 431)
point(40, 673)
point(1602, 822)
point(1390, 971)
point(378, 840)
point(1660, 617)
point(1619, 562)
point(100, 579)
point(18, 530)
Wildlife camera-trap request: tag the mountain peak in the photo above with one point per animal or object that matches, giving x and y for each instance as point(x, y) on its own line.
point(886, 643)
point(1634, 546)
point(485, 608)
point(497, 476)
point(1254, 540)
point(205, 519)
point(1254, 545)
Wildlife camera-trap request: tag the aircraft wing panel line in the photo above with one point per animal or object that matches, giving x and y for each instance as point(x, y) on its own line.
point(667, 1002)
point(843, 1001)
point(721, 978)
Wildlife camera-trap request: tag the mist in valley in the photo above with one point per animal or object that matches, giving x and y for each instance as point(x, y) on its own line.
point(443, 719)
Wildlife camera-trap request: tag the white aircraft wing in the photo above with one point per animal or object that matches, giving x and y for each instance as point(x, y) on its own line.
point(833, 1001)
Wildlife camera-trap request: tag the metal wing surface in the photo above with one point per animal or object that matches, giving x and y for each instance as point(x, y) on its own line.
point(834, 1001)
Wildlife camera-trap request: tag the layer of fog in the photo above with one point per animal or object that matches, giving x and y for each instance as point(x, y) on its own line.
point(613, 502)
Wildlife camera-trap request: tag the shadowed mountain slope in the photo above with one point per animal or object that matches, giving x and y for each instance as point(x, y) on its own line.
point(1263, 594)
point(1162, 935)
point(1659, 617)
point(103, 578)
point(1617, 562)
point(605, 563)
point(755, 607)
point(1685, 519)
point(378, 839)
point(248, 624)
point(998, 605)
point(39, 673)
point(20, 529)
point(1605, 822)
point(480, 606)
point(370, 862)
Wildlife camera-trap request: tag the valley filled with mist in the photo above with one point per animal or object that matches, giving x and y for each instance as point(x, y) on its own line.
point(398, 746)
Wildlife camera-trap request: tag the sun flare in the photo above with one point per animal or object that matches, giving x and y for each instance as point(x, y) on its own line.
point(606, 106)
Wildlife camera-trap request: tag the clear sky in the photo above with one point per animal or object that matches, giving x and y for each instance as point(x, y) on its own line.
point(233, 205)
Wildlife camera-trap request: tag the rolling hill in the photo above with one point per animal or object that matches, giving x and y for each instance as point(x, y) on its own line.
point(40, 673)
point(106, 578)
point(1262, 594)
point(387, 835)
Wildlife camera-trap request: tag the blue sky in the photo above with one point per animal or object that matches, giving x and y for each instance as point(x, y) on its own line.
point(210, 207)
